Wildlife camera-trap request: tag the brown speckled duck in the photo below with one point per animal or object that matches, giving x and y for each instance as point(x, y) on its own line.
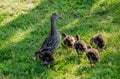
point(50, 44)
point(68, 40)
point(79, 45)
point(92, 54)
point(99, 40)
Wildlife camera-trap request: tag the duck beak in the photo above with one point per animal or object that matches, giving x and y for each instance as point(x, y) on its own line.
point(60, 18)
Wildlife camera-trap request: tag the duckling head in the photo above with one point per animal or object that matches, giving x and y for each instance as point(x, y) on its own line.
point(77, 37)
point(89, 47)
point(92, 40)
point(37, 55)
point(101, 41)
point(69, 41)
point(55, 16)
point(64, 35)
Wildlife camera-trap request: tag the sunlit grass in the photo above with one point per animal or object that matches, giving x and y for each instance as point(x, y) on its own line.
point(11, 9)
point(69, 25)
point(101, 4)
point(26, 23)
point(96, 5)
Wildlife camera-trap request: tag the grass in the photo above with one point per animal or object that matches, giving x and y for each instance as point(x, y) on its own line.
point(24, 24)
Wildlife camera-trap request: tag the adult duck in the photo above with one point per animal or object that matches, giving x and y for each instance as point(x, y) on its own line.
point(51, 43)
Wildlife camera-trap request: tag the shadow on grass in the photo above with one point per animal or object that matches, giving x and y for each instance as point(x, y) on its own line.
point(16, 55)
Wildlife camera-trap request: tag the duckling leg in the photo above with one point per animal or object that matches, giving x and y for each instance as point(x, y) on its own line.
point(78, 54)
point(90, 64)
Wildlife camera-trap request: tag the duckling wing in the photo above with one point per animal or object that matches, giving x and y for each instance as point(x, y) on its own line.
point(50, 44)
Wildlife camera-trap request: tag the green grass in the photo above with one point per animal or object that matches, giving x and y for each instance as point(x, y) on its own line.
point(24, 24)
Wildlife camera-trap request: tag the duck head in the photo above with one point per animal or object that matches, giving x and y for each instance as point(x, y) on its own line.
point(55, 16)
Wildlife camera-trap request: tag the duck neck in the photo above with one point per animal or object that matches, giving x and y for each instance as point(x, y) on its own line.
point(53, 26)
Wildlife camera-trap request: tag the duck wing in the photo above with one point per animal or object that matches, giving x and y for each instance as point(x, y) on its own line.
point(50, 44)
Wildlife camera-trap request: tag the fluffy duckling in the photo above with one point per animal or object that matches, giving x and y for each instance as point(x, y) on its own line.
point(99, 40)
point(68, 40)
point(45, 57)
point(79, 45)
point(92, 54)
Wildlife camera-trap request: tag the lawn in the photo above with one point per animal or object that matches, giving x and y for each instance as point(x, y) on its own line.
point(24, 24)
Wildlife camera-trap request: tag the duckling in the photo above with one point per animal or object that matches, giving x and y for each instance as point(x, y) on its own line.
point(99, 40)
point(47, 58)
point(52, 42)
point(92, 54)
point(68, 40)
point(80, 45)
